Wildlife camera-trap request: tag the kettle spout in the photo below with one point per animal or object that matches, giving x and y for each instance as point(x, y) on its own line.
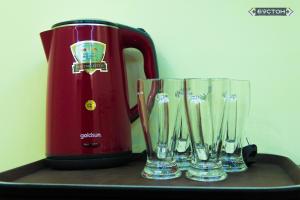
point(46, 37)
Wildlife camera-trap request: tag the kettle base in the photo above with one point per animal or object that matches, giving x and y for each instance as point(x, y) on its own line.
point(88, 161)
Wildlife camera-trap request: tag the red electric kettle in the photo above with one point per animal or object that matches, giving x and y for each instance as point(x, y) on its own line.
point(88, 114)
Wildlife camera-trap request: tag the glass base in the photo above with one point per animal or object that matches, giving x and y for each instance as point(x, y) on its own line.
point(161, 170)
point(233, 164)
point(183, 162)
point(206, 172)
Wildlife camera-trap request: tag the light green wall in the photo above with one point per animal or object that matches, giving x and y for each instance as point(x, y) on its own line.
point(194, 38)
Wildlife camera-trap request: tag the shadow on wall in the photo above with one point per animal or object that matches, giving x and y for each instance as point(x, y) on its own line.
point(24, 118)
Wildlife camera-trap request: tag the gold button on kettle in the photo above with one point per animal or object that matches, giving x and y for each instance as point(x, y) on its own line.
point(90, 105)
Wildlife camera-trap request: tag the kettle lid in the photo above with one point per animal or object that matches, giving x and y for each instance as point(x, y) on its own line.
point(85, 21)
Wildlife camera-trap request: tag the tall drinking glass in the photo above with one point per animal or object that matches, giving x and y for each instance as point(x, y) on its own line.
point(183, 142)
point(205, 107)
point(158, 102)
point(238, 104)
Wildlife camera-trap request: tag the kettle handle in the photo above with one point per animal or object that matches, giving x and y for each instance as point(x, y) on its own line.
point(139, 39)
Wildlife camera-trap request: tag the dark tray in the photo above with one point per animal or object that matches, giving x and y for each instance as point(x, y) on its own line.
point(270, 175)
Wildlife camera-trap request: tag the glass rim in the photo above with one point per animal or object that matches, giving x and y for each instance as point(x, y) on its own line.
point(208, 79)
point(240, 80)
point(218, 78)
point(183, 79)
point(159, 79)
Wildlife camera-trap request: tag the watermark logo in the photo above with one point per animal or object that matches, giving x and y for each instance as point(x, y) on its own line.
point(271, 11)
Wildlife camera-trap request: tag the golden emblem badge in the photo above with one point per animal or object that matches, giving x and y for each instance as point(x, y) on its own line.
point(89, 55)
